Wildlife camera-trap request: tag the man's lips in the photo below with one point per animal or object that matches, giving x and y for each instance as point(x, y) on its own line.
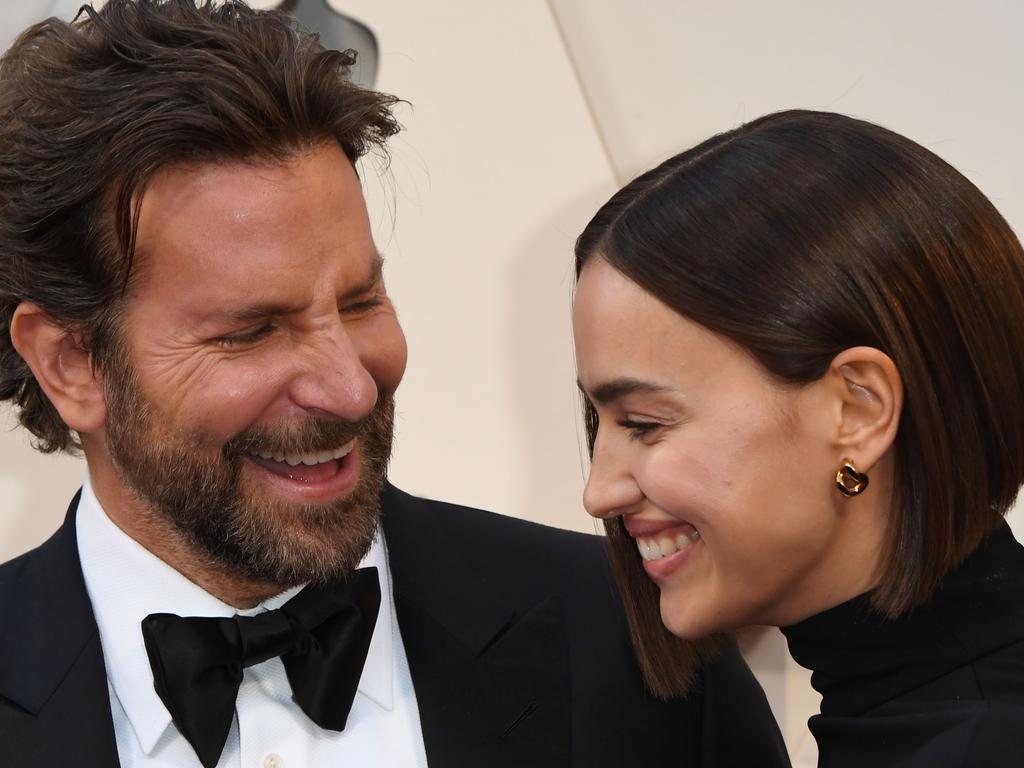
point(306, 467)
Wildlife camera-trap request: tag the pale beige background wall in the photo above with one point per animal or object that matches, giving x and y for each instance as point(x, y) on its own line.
point(524, 117)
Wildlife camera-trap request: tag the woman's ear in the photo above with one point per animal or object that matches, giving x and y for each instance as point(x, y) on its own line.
point(62, 367)
point(870, 394)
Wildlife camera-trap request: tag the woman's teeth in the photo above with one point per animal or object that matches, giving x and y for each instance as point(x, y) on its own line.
point(657, 547)
point(309, 459)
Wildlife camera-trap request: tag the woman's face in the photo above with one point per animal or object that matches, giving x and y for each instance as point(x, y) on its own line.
point(725, 478)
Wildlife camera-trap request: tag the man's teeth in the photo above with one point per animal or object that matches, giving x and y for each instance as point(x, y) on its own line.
point(657, 547)
point(309, 459)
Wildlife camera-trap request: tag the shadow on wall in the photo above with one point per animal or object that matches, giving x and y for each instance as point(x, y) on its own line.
point(538, 340)
point(341, 32)
point(35, 489)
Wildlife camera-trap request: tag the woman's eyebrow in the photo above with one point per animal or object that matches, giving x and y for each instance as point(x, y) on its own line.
point(615, 389)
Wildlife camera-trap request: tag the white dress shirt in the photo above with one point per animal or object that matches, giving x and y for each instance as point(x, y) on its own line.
point(126, 583)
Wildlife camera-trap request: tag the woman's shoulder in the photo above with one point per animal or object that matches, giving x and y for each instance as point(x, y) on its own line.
point(928, 734)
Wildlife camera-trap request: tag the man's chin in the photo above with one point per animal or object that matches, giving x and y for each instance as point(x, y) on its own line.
point(288, 543)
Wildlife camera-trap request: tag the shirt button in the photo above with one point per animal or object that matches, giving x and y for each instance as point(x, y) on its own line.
point(273, 761)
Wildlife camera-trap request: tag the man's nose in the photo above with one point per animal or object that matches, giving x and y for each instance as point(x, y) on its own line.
point(332, 381)
point(611, 489)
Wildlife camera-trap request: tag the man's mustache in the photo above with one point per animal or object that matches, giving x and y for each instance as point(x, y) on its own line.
point(310, 435)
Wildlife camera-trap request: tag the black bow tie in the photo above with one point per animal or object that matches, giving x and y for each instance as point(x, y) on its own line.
point(322, 635)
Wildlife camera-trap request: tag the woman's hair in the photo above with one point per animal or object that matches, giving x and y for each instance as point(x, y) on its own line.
point(91, 110)
point(802, 234)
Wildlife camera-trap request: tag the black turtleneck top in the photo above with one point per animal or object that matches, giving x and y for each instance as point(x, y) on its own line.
point(940, 687)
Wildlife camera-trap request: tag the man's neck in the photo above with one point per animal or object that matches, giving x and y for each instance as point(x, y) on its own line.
point(162, 538)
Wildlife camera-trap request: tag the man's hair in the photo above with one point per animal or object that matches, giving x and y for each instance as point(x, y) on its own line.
point(91, 110)
point(802, 234)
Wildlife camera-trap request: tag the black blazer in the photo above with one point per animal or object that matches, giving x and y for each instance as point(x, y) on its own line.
point(515, 640)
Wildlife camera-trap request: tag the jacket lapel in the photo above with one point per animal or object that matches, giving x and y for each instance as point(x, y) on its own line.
point(492, 682)
point(51, 663)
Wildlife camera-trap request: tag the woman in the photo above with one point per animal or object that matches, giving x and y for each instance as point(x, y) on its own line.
point(801, 345)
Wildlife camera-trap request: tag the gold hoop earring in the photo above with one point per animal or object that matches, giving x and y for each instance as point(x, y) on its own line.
point(849, 481)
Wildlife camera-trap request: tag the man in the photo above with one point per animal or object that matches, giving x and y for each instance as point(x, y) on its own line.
point(189, 292)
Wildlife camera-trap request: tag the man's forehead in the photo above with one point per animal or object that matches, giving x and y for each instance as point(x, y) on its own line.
point(269, 228)
point(195, 178)
point(228, 199)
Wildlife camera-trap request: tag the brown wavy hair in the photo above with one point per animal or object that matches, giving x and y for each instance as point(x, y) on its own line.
point(799, 235)
point(91, 110)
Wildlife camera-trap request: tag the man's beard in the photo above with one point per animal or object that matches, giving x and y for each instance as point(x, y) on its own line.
point(203, 492)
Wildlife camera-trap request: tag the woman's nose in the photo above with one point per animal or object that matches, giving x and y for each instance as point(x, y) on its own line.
point(611, 488)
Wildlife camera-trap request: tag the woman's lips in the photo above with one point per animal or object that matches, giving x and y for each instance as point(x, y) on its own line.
point(666, 542)
point(664, 546)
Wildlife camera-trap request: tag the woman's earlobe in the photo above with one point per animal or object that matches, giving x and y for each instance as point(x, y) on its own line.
point(62, 366)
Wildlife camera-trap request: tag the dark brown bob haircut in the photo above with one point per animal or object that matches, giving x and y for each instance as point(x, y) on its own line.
point(91, 110)
point(799, 235)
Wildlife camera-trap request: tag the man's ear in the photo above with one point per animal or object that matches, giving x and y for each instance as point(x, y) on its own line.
point(870, 398)
point(62, 367)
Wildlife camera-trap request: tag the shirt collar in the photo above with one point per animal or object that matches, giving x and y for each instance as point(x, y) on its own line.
point(126, 583)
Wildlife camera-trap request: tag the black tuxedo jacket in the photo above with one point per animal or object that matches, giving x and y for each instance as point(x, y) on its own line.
point(515, 640)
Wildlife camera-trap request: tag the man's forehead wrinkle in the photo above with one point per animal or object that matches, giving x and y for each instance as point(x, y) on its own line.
point(175, 191)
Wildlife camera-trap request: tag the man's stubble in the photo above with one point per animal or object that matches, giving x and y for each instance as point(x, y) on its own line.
point(207, 493)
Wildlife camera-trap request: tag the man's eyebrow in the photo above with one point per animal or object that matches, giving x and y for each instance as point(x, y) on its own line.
point(615, 389)
point(369, 284)
point(255, 312)
point(266, 310)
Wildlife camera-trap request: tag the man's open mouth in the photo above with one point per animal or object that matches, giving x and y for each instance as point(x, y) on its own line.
point(309, 467)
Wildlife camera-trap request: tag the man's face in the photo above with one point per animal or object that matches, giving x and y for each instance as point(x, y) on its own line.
point(251, 402)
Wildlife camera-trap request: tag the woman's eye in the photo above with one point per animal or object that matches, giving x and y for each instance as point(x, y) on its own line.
point(246, 337)
point(637, 428)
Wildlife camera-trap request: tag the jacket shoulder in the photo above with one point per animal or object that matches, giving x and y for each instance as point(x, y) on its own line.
point(486, 527)
point(518, 559)
point(725, 719)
